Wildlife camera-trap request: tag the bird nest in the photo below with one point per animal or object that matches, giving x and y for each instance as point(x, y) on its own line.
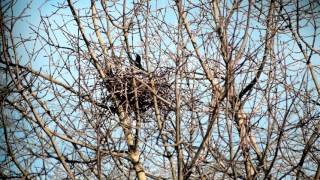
point(122, 86)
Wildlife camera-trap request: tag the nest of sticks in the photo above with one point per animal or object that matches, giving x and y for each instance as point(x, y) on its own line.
point(133, 89)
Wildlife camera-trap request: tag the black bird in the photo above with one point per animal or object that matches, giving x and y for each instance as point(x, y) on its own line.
point(138, 62)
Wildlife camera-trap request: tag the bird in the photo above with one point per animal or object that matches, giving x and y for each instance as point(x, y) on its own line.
point(138, 62)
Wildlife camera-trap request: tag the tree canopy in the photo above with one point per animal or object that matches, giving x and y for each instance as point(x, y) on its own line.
point(160, 89)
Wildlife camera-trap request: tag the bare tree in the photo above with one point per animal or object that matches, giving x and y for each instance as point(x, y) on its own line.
point(160, 89)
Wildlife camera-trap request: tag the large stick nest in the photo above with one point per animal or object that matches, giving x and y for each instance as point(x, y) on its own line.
point(120, 85)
